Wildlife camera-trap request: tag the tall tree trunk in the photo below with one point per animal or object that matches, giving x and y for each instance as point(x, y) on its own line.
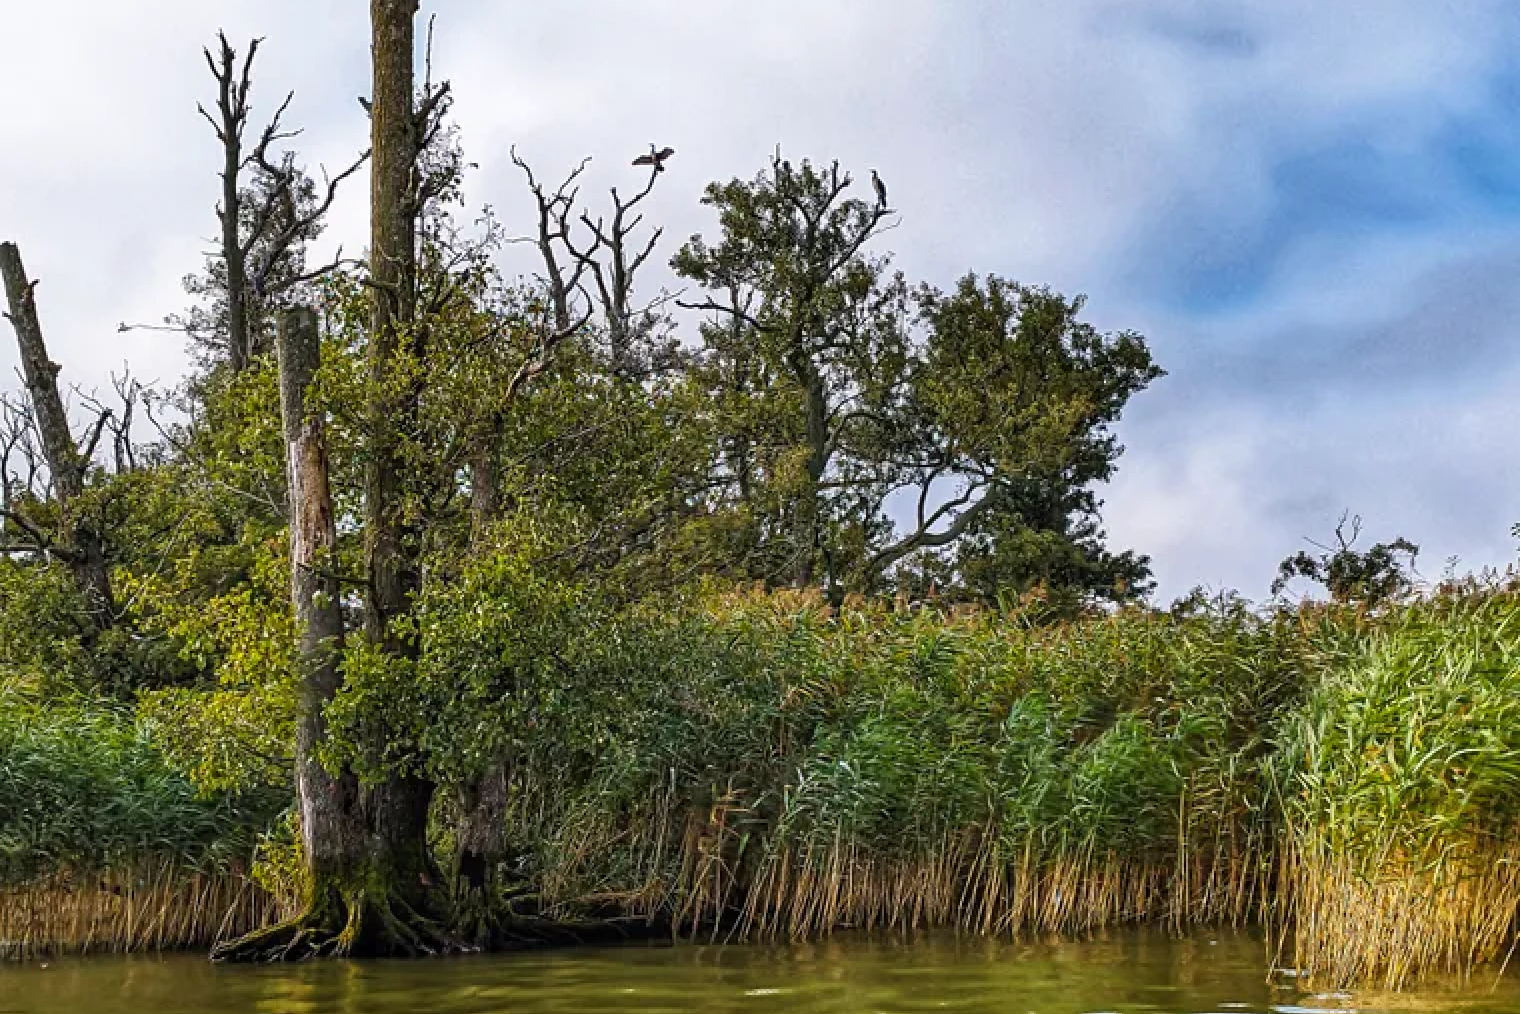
point(81, 544)
point(332, 824)
point(392, 546)
point(239, 346)
point(367, 875)
point(393, 576)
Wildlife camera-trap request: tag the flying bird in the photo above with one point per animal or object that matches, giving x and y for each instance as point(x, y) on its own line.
point(655, 158)
point(881, 190)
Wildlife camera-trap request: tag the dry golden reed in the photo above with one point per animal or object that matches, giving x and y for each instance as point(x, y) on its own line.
point(157, 907)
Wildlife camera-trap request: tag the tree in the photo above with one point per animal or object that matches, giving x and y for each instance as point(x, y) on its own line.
point(1381, 575)
point(805, 320)
point(79, 542)
point(843, 395)
point(373, 886)
point(1043, 542)
point(1015, 397)
point(270, 209)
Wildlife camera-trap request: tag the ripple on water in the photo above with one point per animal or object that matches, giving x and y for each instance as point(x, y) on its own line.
point(1123, 973)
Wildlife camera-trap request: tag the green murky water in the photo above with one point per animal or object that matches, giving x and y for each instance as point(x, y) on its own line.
point(1140, 971)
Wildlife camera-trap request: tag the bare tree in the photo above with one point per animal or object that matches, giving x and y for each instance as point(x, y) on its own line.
point(79, 543)
point(21, 476)
point(575, 246)
point(264, 226)
point(554, 211)
point(615, 270)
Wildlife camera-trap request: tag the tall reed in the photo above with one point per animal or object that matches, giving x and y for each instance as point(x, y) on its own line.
point(1401, 776)
point(103, 847)
point(773, 769)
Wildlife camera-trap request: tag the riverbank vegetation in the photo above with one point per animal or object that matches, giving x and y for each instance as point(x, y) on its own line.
point(446, 609)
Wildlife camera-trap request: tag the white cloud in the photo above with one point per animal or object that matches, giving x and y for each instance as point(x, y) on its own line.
point(1048, 142)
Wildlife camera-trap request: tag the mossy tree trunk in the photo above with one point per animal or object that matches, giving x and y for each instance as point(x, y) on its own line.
point(392, 541)
point(368, 888)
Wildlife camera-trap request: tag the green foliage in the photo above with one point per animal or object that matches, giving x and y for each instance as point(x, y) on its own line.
point(43, 623)
point(1382, 575)
point(839, 395)
point(1415, 745)
point(82, 789)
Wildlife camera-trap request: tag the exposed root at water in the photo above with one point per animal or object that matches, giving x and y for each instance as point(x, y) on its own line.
point(342, 925)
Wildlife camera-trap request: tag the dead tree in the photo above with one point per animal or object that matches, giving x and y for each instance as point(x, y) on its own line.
point(575, 246)
point(614, 272)
point(78, 543)
point(263, 227)
point(21, 475)
point(552, 238)
point(331, 826)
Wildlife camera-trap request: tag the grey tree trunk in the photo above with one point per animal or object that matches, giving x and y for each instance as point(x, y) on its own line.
point(331, 823)
point(80, 543)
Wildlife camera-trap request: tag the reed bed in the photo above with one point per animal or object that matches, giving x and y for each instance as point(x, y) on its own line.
point(781, 771)
point(1350, 781)
point(1401, 847)
point(155, 908)
point(104, 848)
point(763, 767)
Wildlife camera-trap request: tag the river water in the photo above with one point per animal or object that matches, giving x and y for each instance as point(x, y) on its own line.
point(1130, 971)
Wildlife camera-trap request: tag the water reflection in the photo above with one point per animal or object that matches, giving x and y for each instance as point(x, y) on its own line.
point(1127, 972)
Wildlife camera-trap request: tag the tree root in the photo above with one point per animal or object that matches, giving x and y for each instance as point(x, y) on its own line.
point(360, 924)
point(354, 926)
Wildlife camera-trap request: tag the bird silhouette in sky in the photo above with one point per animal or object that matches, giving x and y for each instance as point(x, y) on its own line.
point(881, 190)
point(656, 158)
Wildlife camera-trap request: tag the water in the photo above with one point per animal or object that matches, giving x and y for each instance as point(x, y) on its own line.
point(1130, 972)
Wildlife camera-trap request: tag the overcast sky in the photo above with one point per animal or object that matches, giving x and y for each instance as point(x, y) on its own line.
point(1311, 209)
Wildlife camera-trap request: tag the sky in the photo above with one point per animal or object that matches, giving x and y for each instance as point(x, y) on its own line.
point(1311, 210)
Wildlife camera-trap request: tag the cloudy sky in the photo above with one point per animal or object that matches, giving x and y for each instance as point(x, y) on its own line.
point(1311, 209)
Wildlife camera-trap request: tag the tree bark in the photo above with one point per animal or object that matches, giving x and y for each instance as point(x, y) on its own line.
point(391, 544)
point(332, 827)
point(485, 485)
point(368, 884)
point(81, 545)
point(393, 575)
point(807, 534)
